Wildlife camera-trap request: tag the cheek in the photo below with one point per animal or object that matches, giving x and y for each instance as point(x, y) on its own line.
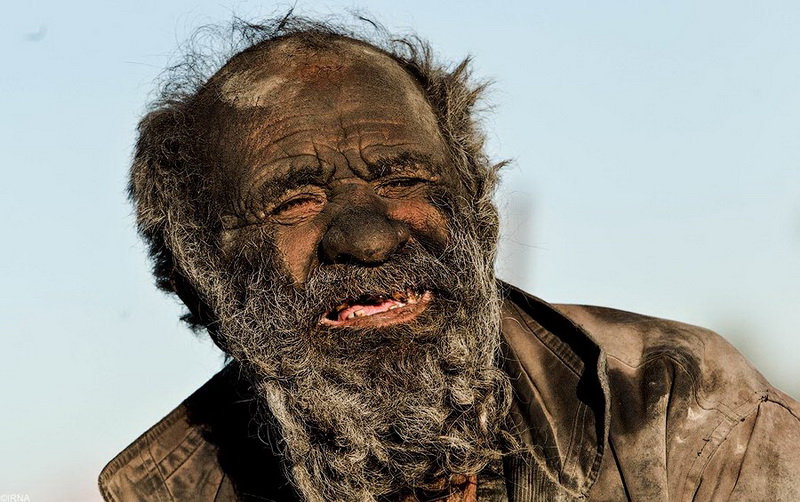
point(297, 248)
point(297, 245)
point(425, 220)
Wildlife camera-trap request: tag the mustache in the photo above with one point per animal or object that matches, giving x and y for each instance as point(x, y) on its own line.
point(412, 268)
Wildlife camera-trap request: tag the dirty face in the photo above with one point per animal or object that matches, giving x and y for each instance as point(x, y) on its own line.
point(335, 156)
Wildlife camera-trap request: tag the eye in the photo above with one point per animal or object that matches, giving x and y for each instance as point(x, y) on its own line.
point(401, 187)
point(297, 208)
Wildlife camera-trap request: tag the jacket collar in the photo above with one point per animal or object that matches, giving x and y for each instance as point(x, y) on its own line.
point(210, 444)
point(561, 399)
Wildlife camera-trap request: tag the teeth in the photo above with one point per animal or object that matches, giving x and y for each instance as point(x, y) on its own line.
point(401, 299)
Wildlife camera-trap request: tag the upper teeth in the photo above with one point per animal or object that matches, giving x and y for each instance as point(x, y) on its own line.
point(361, 313)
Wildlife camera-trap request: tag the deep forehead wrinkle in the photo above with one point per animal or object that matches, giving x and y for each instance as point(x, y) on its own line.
point(299, 135)
point(408, 162)
point(283, 129)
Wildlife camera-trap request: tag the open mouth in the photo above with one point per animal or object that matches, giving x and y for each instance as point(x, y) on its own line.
point(379, 309)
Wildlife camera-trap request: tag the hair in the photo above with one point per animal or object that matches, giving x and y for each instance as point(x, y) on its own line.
point(168, 185)
point(356, 425)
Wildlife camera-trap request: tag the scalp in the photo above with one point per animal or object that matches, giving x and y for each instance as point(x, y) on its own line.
point(282, 69)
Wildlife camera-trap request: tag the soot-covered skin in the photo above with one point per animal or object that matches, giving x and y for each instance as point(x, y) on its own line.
point(331, 154)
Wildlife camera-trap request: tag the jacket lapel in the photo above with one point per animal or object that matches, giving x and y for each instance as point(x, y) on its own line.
point(561, 400)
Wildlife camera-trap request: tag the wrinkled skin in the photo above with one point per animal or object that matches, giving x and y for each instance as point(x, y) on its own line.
point(341, 159)
point(333, 183)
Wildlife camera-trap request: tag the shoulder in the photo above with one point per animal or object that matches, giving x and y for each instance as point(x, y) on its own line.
point(156, 465)
point(174, 459)
point(691, 413)
point(209, 448)
point(713, 369)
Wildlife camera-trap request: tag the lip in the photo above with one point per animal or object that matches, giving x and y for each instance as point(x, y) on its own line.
point(398, 315)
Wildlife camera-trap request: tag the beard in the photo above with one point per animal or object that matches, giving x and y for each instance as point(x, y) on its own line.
point(373, 413)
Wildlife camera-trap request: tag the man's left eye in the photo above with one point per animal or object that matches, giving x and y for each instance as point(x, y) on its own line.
point(398, 187)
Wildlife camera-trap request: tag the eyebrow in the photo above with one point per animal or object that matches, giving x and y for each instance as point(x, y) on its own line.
point(389, 165)
point(274, 187)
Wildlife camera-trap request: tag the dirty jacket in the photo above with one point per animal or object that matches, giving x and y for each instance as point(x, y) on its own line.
point(614, 406)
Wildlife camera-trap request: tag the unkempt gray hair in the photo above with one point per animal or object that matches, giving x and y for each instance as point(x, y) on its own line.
point(175, 213)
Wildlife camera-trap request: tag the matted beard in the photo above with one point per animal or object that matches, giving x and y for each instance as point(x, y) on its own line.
point(372, 413)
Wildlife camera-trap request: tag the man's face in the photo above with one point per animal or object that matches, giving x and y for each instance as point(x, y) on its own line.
point(340, 163)
point(353, 286)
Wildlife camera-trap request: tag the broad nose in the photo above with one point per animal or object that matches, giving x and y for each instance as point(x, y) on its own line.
point(362, 235)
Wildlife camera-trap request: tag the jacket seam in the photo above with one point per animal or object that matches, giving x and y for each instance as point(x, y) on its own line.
point(135, 448)
point(732, 424)
point(157, 468)
point(728, 417)
point(578, 428)
point(219, 487)
point(188, 455)
point(770, 399)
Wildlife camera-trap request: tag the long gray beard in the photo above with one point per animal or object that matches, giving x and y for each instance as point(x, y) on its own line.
point(367, 414)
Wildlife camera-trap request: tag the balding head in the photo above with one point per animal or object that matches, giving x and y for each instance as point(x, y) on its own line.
point(297, 67)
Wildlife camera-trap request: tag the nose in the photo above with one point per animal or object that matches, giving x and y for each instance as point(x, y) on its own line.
point(363, 235)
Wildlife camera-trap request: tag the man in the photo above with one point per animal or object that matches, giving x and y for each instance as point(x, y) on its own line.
point(322, 205)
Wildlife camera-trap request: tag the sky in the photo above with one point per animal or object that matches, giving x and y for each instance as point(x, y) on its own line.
point(654, 168)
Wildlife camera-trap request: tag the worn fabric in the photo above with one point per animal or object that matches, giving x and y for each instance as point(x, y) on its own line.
point(612, 405)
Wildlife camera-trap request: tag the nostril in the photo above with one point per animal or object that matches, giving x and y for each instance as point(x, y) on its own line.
point(403, 234)
point(362, 237)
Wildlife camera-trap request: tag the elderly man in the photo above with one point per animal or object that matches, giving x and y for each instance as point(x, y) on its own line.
point(322, 205)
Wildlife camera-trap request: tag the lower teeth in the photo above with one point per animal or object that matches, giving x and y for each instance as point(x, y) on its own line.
point(401, 300)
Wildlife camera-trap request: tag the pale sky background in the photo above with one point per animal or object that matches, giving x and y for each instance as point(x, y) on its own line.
point(655, 149)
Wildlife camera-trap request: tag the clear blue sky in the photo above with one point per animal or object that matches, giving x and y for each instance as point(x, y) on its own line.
point(655, 149)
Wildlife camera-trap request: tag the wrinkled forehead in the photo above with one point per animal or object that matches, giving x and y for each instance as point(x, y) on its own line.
point(341, 103)
point(290, 69)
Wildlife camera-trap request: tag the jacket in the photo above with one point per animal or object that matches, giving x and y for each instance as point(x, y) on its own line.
point(612, 406)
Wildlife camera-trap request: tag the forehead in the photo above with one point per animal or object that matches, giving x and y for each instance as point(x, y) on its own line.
point(280, 104)
point(343, 77)
point(289, 68)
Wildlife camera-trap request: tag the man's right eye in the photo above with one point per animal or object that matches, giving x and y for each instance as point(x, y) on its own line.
point(297, 209)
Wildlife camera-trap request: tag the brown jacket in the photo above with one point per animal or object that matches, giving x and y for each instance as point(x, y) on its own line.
point(616, 406)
